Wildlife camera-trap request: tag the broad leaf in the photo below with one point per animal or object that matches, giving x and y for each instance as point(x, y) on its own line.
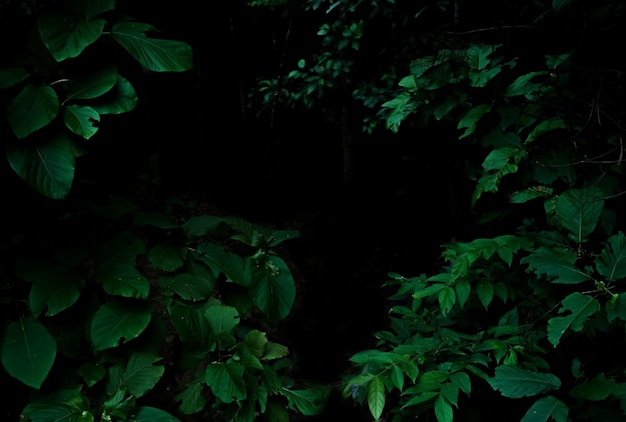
point(309, 402)
point(82, 120)
point(155, 54)
point(54, 286)
point(67, 35)
point(579, 211)
point(191, 397)
point(28, 352)
point(611, 263)
point(546, 408)
point(121, 99)
point(196, 283)
point(485, 292)
point(523, 85)
point(141, 375)
point(545, 126)
point(598, 388)
point(117, 321)
point(556, 264)
point(191, 325)
point(376, 397)
point(47, 168)
point(167, 257)
point(271, 287)
point(33, 108)
point(152, 414)
point(443, 409)
point(116, 270)
point(59, 405)
point(580, 307)
point(11, 76)
point(515, 382)
point(226, 380)
point(447, 299)
point(92, 86)
point(471, 119)
point(222, 261)
point(616, 307)
point(222, 319)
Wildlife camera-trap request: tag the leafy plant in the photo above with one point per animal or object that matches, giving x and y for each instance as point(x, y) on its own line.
point(64, 81)
point(148, 297)
point(533, 313)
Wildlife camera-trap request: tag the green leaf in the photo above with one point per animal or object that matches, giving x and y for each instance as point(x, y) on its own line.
point(515, 382)
point(82, 120)
point(447, 299)
point(528, 194)
point(60, 405)
point(376, 397)
point(121, 99)
point(500, 157)
point(141, 375)
point(152, 414)
point(66, 35)
point(397, 377)
point(376, 356)
point(116, 269)
point(192, 397)
point(196, 283)
point(226, 380)
point(546, 408)
point(93, 86)
point(155, 54)
point(309, 402)
point(463, 289)
point(431, 290)
point(461, 381)
point(222, 319)
point(611, 263)
point(523, 85)
point(55, 286)
point(28, 352)
point(545, 126)
point(485, 291)
point(443, 409)
point(272, 287)
point(596, 389)
point(48, 168)
point(190, 323)
point(119, 320)
point(10, 76)
point(558, 265)
point(90, 9)
point(33, 108)
point(559, 5)
point(274, 351)
point(222, 261)
point(471, 119)
point(616, 307)
point(579, 211)
point(167, 257)
point(580, 307)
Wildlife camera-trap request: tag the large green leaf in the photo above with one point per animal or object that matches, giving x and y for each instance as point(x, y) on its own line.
point(515, 382)
point(167, 257)
point(272, 287)
point(546, 408)
point(10, 76)
point(33, 108)
point(152, 414)
point(309, 402)
point(59, 405)
point(82, 120)
point(116, 270)
point(93, 86)
point(47, 168)
point(119, 320)
point(598, 388)
point(191, 325)
point(222, 261)
point(226, 380)
point(28, 352)
point(196, 283)
point(67, 35)
point(558, 265)
point(580, 307)
point(222, 319)
point(54, 285)
point(579, 211)
point(121, 99)
point(141, 375)
point(443, 409)
point(192, 397)
point(376, 397)
point(155, 54)
point(611, 263)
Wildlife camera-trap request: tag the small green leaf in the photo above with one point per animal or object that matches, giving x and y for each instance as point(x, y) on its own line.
point(545, 126)
point(117, 321)
point(581, 307)
point(121, 99)
point(443, 409)
point(611, 263)
point(141, 375)
point(226, 380)
point(82, 120)
point(192, 397)
point(461, 381)
point(485, 291)
point(616, 307)
point(28, 352)
point(309, 402)
point(596, 389)
point(167, 257)
point(93, 86)
point(471, 119)
point(271, 287)
point(515, 382)
point(376, 397)
point(397, 377)
point(463, 289)
point(447, 299)
point(523, 85)
point(546, 408)
point(191, 325)
point(222, 319)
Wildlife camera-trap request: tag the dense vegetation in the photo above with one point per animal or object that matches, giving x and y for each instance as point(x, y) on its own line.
point(406, 210)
